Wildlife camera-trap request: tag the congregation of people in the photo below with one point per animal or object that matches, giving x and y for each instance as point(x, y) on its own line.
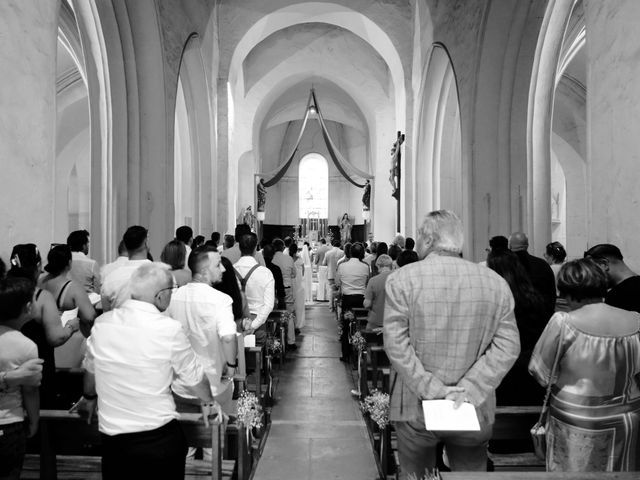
point(159, 338)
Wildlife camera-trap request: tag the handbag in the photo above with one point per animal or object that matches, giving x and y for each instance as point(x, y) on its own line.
point(539, 430)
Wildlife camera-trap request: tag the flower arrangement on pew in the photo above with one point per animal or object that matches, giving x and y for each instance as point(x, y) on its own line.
point(249, 410)
point(358, 342)
point(376, 405)
point(274, 346)
point(348, 318)
point(429, 475)
point(286, 317)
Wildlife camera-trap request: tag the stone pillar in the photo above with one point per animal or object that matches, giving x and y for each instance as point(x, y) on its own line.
point(27, 121)
point(613, 123)
point(224, 191)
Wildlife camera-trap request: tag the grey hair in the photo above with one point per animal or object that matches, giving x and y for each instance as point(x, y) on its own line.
point(384, 260)
point(149, 279)
point(445, 228)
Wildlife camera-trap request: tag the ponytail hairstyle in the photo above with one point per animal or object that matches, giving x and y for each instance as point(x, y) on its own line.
point(25, 262)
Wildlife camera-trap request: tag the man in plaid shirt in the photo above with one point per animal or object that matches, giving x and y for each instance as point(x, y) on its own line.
point(450, 332)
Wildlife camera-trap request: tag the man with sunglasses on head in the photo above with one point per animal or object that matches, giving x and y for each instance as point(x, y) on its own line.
point(134, 354)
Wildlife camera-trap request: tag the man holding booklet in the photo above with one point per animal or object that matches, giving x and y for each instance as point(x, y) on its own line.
point(450, 333)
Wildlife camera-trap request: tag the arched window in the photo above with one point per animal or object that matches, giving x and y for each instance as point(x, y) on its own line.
point(313, 186)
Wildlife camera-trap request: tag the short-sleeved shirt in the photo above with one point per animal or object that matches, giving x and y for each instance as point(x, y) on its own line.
point(625, 295)
point(352, 276)
point(206, 315)
point(15, 349)
point(136, 352)
point(375, 294)
point(115, 287)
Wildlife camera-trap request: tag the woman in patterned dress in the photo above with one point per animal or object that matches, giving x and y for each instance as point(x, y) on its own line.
point(594, 408)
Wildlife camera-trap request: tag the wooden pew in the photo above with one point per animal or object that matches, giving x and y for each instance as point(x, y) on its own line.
point(70, 448)
point(277, 328)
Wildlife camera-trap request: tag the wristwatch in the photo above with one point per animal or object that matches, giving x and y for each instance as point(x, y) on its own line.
point(89, 397)
point(232, 365)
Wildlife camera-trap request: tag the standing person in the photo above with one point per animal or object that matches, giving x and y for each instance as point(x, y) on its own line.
point(258, 288)
point(134, 354)
point(45, 328)
point(307, 278)
point(288, 269)
point(174, 254)
point(594, 407)
point(374, 294)
point(116, 286)
point(555, 255)
point(450, 332)
point(123, 257)
point(351, 278)
point(206, 316)
point(84, 270)
point(321, 293)
point(517, 387)
point(184, 234)
point(623, 283)
point(268, 252)
point(298, 287)
point(331, 260)
point(539, 271)
point(16, 295)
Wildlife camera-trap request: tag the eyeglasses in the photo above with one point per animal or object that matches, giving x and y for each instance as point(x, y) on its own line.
point(173, 289)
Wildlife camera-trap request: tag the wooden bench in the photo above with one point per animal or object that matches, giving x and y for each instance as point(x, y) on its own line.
point(276, 327)
point(69, 448)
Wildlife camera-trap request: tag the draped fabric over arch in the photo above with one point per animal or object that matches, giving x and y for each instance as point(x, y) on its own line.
point(345, 168)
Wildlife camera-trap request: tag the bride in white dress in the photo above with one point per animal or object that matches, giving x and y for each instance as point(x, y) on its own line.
point(308, 274)
point(298, 286)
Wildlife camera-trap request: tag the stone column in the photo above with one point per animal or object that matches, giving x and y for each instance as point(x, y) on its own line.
point(27, 121)
point(613, 123)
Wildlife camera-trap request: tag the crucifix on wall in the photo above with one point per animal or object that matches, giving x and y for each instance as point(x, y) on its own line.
point(395, 173)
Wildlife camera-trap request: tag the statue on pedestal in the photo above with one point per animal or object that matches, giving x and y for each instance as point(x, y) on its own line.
point(262, 196)
point(394, 171)
point(247, 216)
point(366, 197)
point(345, 229)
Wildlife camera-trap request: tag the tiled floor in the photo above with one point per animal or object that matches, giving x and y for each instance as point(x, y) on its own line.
point(317, 430)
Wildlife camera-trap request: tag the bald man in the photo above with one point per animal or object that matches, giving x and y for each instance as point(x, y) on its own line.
point(539, 271)
point(133, 355)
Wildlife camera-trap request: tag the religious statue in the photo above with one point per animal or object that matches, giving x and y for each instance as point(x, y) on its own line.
point(247, 216)
point(366, 197)
point(262, 195)
point(345, 229)
point(394, 171)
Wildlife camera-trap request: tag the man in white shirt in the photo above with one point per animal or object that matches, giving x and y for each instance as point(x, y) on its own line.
point(206, 317)
point(331, 261)
point(133, 355)
point(84, 270)
point(351, 279)
point(321, 294)
point(288, 269)
point(233, 253)
point(259, 288)
point(123, 257)
point(115, 287)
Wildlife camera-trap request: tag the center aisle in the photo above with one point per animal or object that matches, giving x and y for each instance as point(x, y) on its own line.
point(317, 431)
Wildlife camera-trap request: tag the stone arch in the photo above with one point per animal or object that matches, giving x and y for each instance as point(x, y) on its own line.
point(440, 180)
point(320, 12)
point(196, 98)
point(544, 78)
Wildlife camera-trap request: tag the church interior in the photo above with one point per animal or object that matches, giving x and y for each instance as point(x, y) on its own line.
point(518, 115)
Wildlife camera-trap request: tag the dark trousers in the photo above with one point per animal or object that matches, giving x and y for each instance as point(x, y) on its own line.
point(13, 441)
point(348, 302)
point(158, 453)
